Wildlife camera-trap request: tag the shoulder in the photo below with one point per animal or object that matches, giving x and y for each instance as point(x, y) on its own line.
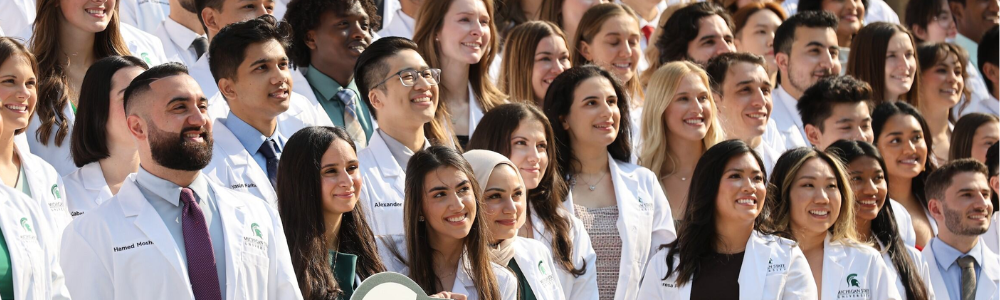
point(37, 164)
point(533, 246)
point(131, 32)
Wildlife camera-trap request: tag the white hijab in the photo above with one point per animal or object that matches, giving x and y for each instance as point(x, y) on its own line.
point(483, 162)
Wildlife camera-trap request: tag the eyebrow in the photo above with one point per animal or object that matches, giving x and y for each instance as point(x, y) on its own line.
point(708, 37)
point(496, 189)
point(353, 161)
point(444, 188)
point(266, 60)
point(815, 44)
point(740, 170)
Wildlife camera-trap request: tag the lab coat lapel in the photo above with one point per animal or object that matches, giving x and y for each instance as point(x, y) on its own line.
point(634, 252)
point(989, 275)
point(13, 240)
point(475, 111)
point(134, 204)
point(233, 220)
point(392, 172)
point(833, 268)
point(241, 163)
point(94, 181)
point(753, 271)
point(936, 280)
point(463, 283)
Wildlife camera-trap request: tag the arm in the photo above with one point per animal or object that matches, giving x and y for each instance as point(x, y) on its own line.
point(799, 281)
point(282, 283)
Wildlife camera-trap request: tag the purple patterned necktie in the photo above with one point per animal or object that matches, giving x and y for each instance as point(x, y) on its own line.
point(198, 247)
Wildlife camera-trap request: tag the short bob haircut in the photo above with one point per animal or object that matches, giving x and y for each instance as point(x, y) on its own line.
point(699, 236)
point(964, 133)
point(682, 28)
point(560, 98)
point(880, 115)
point(89, 141)
point(11, 48)
point(777, 207)
point(519, 59)
point(867, 60)
point(654, 151)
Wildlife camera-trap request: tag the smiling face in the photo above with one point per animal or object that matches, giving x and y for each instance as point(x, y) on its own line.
point(851, 14)
point(941, 28)
point(714, 38)
point(551, 59)
point(18, 93)
point(394, 102)
point(746, 104)
point(235, 11)
point(966, 208)
point(449, 205)
point(339, 39)
point(870, 188)
point(339, 178)
point(903, 146)
point(504, 203)
point(847, 121)
point(116, 127)
point(690, 112)
point(528, 151)
point(815, 198)
point(941, 86)
point(986, 135)
point(757, 36)
point(813, 56)
point(593, 118)
point(615, 47)
point(976, 16)
point(465, 34)
point(171, 124)
point(741, 191)
point(900, 66)
point(88, 15)
point(263, 84)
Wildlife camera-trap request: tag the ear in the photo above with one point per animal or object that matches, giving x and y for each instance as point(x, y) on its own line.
point(936, 208)
point(228, 89)
point(781, 59)
point(813, 134)
point(919, 32)
point(585, 50)
point(562, 120)
point(376, 99)
point(995, 184)
point(136, 126)
point(208, 15)
point(991, 72)
point(310, 39)
point(957, 10)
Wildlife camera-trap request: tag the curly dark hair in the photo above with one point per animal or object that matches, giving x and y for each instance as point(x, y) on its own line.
point(682, 28)
point(305, 15)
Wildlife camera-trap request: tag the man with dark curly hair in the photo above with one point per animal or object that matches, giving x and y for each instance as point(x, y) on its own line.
point(327, 38)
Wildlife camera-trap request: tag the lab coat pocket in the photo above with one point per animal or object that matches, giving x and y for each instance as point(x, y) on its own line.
point(774, 285)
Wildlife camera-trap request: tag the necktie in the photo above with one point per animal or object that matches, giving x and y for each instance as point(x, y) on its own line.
point(270, 151)
point(351, 123)
point(200, 45)
point(968, 265)
point(647, 31)
point(198, 247)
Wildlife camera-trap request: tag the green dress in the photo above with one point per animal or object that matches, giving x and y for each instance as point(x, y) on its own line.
point(6, 271)
point(344, 270)
point(524, 289)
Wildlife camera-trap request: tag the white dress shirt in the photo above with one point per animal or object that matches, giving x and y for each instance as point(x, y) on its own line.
point(400, 25)
point(177, 41)
point(143, 14)
point(786, 116)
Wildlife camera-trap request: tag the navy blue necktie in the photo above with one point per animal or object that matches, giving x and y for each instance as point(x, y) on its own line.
point(270, 151)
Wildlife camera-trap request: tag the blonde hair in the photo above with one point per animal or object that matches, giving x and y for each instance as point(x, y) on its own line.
point(590, 26)
point(654, 152)
point(519, 59)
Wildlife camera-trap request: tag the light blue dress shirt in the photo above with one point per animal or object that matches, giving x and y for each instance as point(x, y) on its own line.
point(251, 138)
point(951, 272)
point(165, 197)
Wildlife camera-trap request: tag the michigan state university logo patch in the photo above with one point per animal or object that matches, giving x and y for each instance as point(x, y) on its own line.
point(26, 224)
point(256, 230)
point(55, 191)
point(852, 280)
point(854, 290)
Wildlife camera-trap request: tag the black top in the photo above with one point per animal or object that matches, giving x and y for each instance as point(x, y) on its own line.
point(717, 277)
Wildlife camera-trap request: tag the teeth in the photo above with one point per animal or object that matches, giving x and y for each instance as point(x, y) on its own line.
point(473, 45)
point(694, 121)
point(95, 11)
point(909, 161)
point(756, 116)
point(867, 202)
point(819, 212)
point(456, 219)
point(624, 65)
point(16, 107)
point(193, 135)
point(746, 201)
point(421, 99)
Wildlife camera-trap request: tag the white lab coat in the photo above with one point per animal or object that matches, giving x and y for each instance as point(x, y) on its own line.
point(904, 223)
point(988, 281)
point(644, 221)
point(57, 156)
point(992, 236)
point(855, 271)
point(395, 22)
point(383, 191)
point(233, 166)
point(463, 284)
point(145, 15)
point(32, 247)
point(16, 16)
point(258, 265)
point(535, 262)
point(302, 87)
point(786, 117)
point(583, 287)
point(987, 105)
point(920, 268)
point(475, 113)
point(86, 188)
point(47, 189)
point(775, 269)
point(177, 41)
point(143, 45)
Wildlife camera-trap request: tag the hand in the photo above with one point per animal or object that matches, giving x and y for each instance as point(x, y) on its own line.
point(449, 295)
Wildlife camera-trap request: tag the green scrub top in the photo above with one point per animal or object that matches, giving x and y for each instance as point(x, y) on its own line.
point(344, 270)
point(22, 183)
point(522, 282)
point(6, 271)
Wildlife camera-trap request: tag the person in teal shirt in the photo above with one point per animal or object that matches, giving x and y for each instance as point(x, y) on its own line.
point(319, 185)
point(327, 39)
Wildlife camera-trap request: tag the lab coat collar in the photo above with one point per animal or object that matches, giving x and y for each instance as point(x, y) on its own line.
point(833, 264)
point(756, 257)
point(93, 177)
point(240, 157)
point(387, 165)
point(33, 171)
point(180, 35)
point(463, 280)
point(989, 274)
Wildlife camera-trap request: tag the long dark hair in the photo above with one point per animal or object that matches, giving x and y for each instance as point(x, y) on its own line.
point(89, 141)
point(558, 101)
point(10, 48)
point(928, 56)
point(698, 237)
point(884, 226)
point(419, 252)
point(880, 115)
point(494, 133)
point(299, 190)
point(867, 60)
point(964, 134)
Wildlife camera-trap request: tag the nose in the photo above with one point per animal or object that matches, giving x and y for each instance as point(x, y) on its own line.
point(869, 188)
point(559, 67)
point(358, 33)
point(759, 99)
point(478, 29)
point(626, 51)
point(994, 6)
point(509, 207)
point(822, 197)
point(281, 77)
point(850, 5)
point(533, 155)
point(260, 10)
point(748, 186)
point(198, 118)
point(827, 60)
point(724, 47)
point(456, 204)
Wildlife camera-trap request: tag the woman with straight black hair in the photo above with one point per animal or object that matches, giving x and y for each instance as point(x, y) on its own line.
point(101, 144)
point(445, 247)
point(621, 204)
point(903, 138)
point(875, 220)
point(719, 254)
point(530, 144)
point(318, 186)
point(973, 135)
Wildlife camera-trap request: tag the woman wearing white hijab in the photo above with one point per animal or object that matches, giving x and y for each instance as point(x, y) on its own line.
point(504, 202)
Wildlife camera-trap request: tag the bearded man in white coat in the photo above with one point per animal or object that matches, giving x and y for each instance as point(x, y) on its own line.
point(170, 232)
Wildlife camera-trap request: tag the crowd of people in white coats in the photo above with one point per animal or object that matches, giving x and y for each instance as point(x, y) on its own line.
point(500, 149)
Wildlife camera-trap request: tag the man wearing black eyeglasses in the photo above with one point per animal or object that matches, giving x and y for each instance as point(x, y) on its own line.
point(402, 92)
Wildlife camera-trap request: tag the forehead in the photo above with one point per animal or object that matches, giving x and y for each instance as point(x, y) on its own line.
point(691, 81)
point(815, 167)
point(854, 109)
point(178, 86)
point(824, 36)
point(745, 162)
point(467, 6)
point(743, 71)
point(503, 174)
point(16, 63)
point(900, 40)
point(620, 23)
point(763, 15)
point(447, 176)
point(266, 50)
point(595, 86)
point(968, 180)
point(901, 122)
point(339, 151)
point(405, 59)
point(712, 24)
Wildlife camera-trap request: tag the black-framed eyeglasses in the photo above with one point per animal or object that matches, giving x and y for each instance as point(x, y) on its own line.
point(409, 77)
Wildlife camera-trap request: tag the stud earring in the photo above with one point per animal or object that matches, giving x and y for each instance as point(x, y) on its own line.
point(420, 218)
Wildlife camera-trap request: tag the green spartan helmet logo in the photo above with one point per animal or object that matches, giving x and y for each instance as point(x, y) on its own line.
point(852, 280)
point(541, 267)
point(256, 230)
point(24, 223)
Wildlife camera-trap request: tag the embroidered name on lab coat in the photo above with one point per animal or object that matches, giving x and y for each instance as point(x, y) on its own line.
point(388, 204)
point(132, 246)
point(244, 186)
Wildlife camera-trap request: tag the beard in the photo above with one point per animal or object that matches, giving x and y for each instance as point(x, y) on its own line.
point(953, 220)
point(173, 151)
